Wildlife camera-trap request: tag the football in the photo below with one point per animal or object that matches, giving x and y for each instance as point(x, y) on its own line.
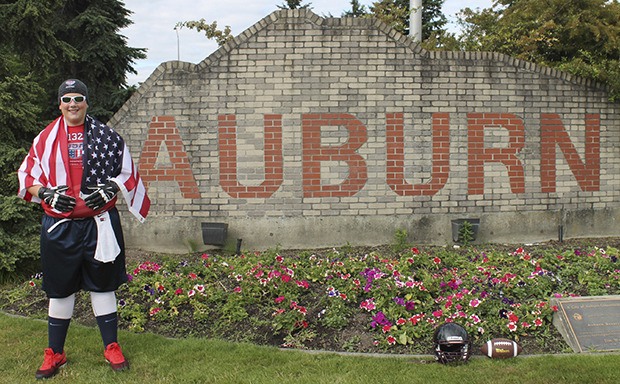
point(500, 348)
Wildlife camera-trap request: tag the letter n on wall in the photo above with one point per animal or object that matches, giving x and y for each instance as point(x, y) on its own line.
point(163, 129)
point(588, 174)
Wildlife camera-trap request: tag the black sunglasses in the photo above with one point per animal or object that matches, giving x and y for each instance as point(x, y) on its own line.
point(77, 99)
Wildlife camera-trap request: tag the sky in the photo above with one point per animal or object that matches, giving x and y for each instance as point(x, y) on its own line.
point(154, 24)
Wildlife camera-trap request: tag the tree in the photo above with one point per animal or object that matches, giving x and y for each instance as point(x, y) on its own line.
point(580, 36)
point(294, 4)
point(100, 56)
point(357, 10)
point(210, 30)
point(43, 43)
point(396, 14)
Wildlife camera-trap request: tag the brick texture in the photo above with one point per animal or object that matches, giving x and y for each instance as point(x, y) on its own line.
point(303, 116)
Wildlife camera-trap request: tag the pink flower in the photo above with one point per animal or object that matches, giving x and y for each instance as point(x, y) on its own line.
point(279, 299)
point(438, 313)
point(179, 291)
point(237, 289)
point(512, 326)
point(474, 303)
point(368, 305)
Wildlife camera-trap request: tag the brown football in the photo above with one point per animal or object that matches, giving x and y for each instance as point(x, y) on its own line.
point(500, 348)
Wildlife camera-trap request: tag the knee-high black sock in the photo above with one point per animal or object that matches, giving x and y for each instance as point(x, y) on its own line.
point(108, 326)
point(57, 333)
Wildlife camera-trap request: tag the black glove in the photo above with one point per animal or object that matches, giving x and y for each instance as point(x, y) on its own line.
point(101, 196)
point(57, 199)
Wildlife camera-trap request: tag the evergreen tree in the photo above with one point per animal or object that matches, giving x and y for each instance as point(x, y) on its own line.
point(294, 4)
point(100, 56)
point(43, 43)
point(396, 13)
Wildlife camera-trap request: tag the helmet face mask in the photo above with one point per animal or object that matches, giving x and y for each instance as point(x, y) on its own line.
point(452, 344)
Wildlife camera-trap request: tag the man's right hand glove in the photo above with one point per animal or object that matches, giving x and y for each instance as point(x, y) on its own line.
point(57, 199)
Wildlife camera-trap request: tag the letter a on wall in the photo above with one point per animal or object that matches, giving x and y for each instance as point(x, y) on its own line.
point(163, 130)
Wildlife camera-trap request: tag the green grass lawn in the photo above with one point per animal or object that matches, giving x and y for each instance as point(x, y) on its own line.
point(155, 359)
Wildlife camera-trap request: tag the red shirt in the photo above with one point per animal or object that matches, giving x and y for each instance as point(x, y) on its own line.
point(75, 147)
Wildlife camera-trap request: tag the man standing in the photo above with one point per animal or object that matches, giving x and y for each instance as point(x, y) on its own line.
point(75, 169)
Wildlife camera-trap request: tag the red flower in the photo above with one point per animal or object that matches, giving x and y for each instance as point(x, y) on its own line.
point(512, 317)
point(512, 326)
point(415, 251)
point(391, 340)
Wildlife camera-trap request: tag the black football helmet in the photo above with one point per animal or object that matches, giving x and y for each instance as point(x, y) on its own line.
point(452, 344)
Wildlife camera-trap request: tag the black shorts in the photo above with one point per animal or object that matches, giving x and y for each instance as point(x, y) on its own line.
point(68, 257)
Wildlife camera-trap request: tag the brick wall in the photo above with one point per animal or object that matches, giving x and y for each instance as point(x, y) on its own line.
point(309, 131)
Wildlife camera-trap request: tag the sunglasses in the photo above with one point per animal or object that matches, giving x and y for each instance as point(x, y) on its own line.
point(77, 99)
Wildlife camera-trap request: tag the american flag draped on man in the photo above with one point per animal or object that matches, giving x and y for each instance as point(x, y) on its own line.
point(105, 156)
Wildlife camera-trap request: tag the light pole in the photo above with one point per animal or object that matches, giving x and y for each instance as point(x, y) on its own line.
point(415, 20)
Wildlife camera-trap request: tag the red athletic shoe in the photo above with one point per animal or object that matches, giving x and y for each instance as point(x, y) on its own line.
point(51, 363)
point(114, 356)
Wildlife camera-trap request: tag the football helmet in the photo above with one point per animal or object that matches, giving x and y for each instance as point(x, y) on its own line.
point(452, 344)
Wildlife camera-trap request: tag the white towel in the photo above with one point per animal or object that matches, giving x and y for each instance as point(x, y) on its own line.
point(107, 246)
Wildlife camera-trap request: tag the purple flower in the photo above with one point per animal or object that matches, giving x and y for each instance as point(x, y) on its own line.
point(399, 301)
point(380, 319)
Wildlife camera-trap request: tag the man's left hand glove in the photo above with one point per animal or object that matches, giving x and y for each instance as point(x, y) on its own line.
point(101, 196)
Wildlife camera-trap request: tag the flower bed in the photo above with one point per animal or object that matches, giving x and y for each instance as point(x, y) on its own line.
point(386, 299)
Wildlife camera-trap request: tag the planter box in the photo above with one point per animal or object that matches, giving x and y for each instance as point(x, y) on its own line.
point(214, 233)
point(457, 224)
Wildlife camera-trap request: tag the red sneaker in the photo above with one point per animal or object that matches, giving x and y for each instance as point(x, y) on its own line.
point(51, 363)
point(114, 356)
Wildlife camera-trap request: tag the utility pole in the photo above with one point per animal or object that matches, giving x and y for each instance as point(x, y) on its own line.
point(415, 20)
